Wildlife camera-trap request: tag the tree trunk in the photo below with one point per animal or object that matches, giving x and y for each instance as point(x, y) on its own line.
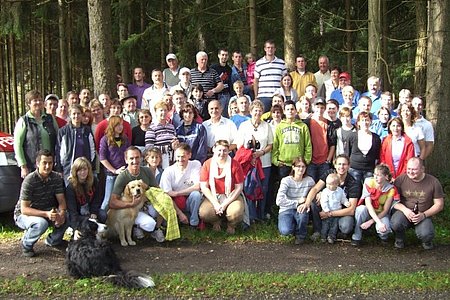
point(252, 18)
point(163, 35)
point(43, 69)
point(290, 33)
point(100, 35)
point(200, 35)
point(348, 36)
point(123, 36)
point(437, 91)
point(64, 63)
point(386, 82)
point(170, 27)
point(13, 97)
point(5, 124)
point(374, 38)
point(420, 71)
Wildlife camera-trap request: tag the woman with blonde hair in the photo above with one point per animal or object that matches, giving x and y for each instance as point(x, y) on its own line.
point(82, 195)
point(112, 149)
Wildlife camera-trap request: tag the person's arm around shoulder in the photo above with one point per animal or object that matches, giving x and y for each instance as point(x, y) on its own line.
point(312, 196)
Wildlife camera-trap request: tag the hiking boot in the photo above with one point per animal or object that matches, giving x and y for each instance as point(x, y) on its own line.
point(399, 244)
point(298, 241)
point(28, 252)
point(158, 235)
point(138, 233)
point(60, 246)
point(315, 236)
point(428, 245)
point(356, 243)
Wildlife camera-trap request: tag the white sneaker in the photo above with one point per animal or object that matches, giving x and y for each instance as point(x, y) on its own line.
point(138, 233)
point(158, 235)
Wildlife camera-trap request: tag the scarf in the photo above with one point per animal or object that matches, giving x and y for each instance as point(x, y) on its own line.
point(214, 174)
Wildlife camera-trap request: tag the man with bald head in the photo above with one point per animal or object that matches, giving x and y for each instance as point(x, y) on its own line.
point(421, 190)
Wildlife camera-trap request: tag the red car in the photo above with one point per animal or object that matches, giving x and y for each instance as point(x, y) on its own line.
point(10, 180)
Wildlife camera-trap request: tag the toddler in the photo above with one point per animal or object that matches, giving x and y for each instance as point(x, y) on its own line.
point(332, 198)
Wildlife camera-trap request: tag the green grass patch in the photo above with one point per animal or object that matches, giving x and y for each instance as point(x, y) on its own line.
point(182, 285)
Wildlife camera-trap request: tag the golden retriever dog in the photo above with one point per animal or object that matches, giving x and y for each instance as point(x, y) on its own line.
point(121, 221)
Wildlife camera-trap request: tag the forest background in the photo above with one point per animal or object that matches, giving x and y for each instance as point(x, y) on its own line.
point(60, 45)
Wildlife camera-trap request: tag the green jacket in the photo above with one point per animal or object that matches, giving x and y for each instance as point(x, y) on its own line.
point(291, 141)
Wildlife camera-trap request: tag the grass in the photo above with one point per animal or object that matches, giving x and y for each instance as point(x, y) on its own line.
point(181, 285)
point(241, 284)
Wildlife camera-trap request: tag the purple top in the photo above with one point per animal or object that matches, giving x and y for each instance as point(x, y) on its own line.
point(113, 154)
point(138, 91)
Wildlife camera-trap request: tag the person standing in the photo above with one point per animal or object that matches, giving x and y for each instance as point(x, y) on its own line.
point(322, 75)
point(268, 73)
point(224, 70)
point(207, 77)
point(34, 131)
point(171, 74)
point(421, 189)
point(300, 77)
point(139, 86)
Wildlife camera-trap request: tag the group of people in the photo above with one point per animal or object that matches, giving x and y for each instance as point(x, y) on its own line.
point(227, 143)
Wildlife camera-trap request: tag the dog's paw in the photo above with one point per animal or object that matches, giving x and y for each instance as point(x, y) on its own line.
point(132, 243)
point(123, 243)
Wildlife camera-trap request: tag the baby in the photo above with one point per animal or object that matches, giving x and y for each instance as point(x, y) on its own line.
point(332, 198)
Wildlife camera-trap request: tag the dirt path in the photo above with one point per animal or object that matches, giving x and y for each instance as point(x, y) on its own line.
point(148, 256)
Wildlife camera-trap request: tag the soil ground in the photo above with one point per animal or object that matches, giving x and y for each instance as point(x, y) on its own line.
point(183, 256)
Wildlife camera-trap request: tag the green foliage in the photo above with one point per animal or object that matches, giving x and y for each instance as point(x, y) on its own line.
point(14, 18)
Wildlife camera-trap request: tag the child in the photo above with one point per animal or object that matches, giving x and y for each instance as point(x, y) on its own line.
point(332, 198)
point(233, 108)
point(243, 111)
point(238, 87)
point(153, 158)
point(377, 196)
point(198, 101)
point(343, 133)
point(251, 62)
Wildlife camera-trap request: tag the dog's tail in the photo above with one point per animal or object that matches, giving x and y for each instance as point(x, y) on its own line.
point(131, 280)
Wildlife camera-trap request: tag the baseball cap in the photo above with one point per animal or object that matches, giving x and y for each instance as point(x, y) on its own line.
point(171, 56)
point(319, 100)
point(51, 96)
point(345, 75)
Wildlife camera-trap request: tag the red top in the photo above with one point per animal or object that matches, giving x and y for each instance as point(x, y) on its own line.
point(386, 154)
point(236, 173)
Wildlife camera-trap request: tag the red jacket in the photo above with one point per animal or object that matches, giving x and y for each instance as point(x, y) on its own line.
point(386, 154)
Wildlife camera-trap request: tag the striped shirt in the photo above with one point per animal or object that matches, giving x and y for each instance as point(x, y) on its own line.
point(41, 193)
point(208, 79)
point(269, 74)
point(160, 136)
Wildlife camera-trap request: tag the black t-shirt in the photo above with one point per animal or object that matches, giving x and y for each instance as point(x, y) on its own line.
point(351, 187)
point(225, 75)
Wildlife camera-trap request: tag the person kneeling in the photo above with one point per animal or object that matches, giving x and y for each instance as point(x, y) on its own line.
point(221, 182)
point(182, 182)
point(41, 204)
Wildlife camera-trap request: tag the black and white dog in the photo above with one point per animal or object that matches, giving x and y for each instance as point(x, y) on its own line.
point(88, 255)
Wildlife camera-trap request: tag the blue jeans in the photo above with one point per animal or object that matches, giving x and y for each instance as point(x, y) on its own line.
point(224, 98)
point(192, 206)
point(316, 170)
point(267, 101)
point(35, 227)
point(362, 215)
point(109, 185)
point(345, 223)
point(424, 230)
point(292, 222)
point(329, 227)
point(360, 175)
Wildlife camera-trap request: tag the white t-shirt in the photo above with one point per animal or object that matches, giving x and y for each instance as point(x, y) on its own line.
point(427, 129)
point(263, 134)
point(415, 133)
point(172, 179)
